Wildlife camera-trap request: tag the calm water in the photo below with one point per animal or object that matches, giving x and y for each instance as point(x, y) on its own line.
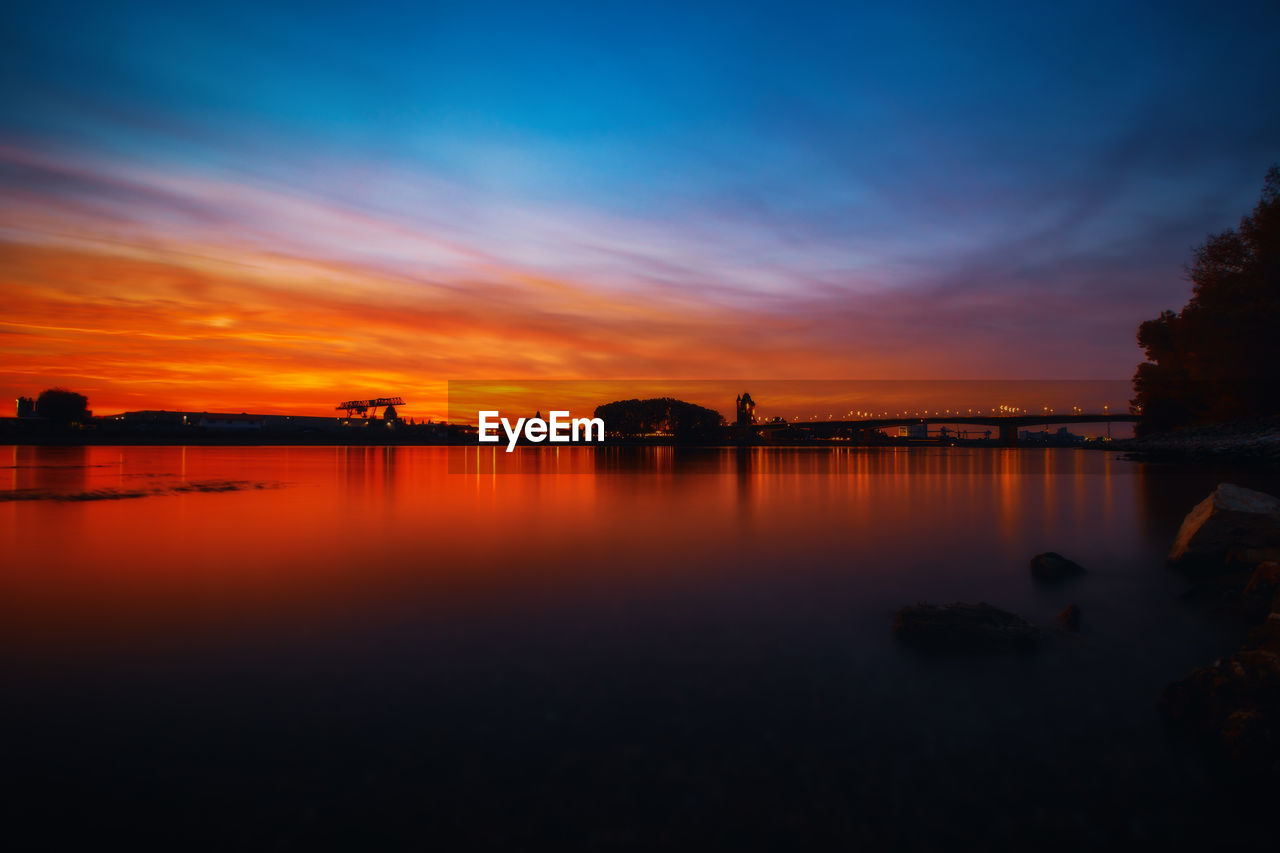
point(589, 648)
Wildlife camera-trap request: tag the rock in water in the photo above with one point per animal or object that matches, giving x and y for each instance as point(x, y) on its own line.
point(1069, 618)
point(1051, 566)
point(963, 626)
point(1233, 522)
point(1233, 707)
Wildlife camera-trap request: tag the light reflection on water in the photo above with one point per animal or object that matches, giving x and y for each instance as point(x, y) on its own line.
point(712, 622)
point(386, 520)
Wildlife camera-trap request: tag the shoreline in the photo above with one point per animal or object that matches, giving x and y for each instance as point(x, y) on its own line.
point(1255, 441)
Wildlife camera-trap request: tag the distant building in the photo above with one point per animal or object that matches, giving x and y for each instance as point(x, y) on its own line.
point(746, 410)
point(217, 420)
point(156, 417)
point(913, 431)
point(26, 407)
point(300, 423)
point(1061, 438)
point(151, 419)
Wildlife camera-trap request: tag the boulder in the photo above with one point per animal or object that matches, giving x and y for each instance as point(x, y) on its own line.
point(1069, 618)
point(1233, 706)
point(1233, 524)
point(1051, 566)
point(1240, 596)
point(1266, 634)
point(1264, 582)
point(962, 626)
point(1233, 709)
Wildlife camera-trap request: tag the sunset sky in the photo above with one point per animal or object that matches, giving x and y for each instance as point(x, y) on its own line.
point(229, 206)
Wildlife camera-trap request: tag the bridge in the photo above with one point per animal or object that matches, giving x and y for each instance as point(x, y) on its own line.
point(1007, 424)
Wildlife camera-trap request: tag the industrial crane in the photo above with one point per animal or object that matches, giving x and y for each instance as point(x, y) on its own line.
point(362, 407)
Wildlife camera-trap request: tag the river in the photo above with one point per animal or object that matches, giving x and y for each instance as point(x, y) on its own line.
point(595, 648)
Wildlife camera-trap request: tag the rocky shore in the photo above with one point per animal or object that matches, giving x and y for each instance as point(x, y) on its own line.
point(1230, 542)
point(1229, 546)
point(1255, 441)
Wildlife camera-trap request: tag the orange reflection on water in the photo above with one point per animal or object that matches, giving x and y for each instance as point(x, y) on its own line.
point(106, 543)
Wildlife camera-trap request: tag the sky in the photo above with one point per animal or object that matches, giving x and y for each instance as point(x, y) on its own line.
point(276, 207)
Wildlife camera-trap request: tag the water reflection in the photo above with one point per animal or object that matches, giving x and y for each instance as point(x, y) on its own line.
point(399, 522)
point(556, 638)
point(62, 468)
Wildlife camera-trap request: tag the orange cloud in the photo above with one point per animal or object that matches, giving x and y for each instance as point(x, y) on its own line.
point(158, 332)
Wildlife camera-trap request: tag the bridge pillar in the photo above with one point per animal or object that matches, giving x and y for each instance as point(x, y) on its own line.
point(1008, 435)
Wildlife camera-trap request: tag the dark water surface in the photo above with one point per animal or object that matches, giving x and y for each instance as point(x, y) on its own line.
point(601, 649)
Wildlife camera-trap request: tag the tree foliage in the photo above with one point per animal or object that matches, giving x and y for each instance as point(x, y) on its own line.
point(1218, 359)
point(59, 404)
point(635, 418)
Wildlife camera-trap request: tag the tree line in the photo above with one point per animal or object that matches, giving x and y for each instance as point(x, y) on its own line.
point(1218, 359)
point(637, 418)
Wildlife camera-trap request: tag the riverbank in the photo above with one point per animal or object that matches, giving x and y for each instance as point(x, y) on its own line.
point(1245, 441)
point(1231, 708)
point(452, 435)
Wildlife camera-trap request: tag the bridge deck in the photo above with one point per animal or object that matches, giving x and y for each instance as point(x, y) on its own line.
point(977, 420)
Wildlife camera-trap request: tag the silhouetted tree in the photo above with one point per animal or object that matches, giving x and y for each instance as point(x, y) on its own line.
point(1219, 357)
point(59, 404)
point(634, 418)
